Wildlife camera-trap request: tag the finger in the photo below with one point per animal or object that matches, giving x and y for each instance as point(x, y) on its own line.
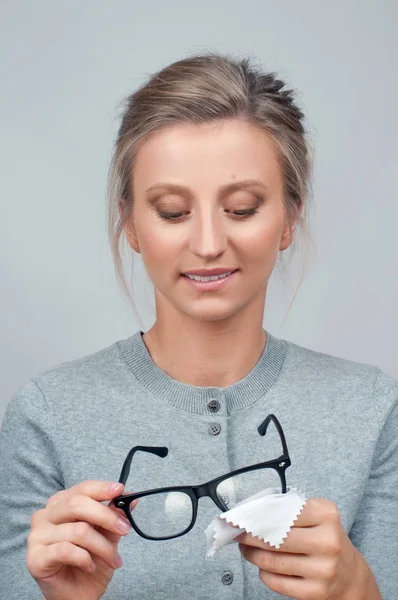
point(80, 534)
point(46, 563)
point(98, 490)
point(290, 586)
point(83, 508)
point(306, 540)
point(316, 511)
point(282, 563)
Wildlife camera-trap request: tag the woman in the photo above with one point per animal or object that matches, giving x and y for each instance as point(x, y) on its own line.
point(209, 182)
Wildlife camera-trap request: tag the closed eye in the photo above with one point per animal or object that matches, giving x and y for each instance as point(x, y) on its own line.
point(173, 216)
point(169, 215)
point(244, 212)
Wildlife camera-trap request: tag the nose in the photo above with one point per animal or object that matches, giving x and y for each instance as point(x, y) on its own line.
point(208, 238)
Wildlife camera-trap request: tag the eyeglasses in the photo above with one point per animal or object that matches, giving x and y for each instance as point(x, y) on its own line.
point(169, 512)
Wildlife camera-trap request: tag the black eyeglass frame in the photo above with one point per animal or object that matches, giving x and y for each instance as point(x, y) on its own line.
point(195, 492)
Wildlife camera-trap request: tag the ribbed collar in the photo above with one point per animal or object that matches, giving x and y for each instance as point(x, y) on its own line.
point(194, 399)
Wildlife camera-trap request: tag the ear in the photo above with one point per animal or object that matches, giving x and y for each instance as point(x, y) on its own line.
point(289, 231)
point(129, 228)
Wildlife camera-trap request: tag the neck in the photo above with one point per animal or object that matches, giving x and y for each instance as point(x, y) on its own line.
point(203, 353)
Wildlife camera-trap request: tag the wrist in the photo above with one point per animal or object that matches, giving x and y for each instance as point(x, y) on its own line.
point(364, 584)
point(371, 589)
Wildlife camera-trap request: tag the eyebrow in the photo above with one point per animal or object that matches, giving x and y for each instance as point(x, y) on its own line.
point(229, 187)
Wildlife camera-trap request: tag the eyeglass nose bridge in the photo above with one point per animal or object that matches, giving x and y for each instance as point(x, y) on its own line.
point(208, 490)
point(201, 491)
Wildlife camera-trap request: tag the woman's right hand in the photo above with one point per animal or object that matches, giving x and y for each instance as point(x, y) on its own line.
point(71, 533)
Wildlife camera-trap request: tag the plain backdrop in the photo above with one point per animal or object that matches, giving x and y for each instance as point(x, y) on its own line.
point(66, 66)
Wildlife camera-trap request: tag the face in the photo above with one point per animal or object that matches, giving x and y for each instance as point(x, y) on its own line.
point(209, 197)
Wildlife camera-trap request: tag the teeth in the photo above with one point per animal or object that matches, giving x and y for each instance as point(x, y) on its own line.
point(210, 278)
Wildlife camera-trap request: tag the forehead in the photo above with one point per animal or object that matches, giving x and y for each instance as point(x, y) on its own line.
point(209, 154)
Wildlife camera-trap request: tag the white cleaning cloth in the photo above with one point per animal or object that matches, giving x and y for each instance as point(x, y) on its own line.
point(268, 515)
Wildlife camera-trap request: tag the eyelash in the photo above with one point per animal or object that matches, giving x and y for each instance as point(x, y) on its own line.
point(238, 213)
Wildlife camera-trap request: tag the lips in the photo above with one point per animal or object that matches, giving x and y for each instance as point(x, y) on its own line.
point(207, 283)
point(209, 272)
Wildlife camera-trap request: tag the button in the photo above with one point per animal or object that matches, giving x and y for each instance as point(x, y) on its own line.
point(227, 578)
point(214, 429)
point(214, 405)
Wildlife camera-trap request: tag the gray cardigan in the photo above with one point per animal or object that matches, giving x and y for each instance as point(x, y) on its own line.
point(79, 419)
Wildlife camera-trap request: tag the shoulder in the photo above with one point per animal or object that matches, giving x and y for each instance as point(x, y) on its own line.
point(320, 365)
point(356, 382)
point(85, 377)
point(99, 365)
point(312, 361)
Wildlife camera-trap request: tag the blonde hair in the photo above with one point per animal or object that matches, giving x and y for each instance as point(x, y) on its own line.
point(199, 89)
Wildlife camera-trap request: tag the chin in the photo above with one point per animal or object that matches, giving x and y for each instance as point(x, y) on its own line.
point(211, 313)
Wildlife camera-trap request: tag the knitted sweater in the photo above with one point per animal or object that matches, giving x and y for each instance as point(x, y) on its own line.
point(79, 419)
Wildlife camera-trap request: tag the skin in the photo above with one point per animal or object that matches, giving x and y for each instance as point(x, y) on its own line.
point(73, 531)
point(193, 327)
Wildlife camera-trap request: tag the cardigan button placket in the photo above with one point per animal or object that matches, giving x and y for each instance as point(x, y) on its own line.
point(213, 405)
point(227, 578)
point(214, 429)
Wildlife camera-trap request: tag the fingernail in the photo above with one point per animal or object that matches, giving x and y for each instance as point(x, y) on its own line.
point(118, 561)
point(123, 525)
point(112, 487)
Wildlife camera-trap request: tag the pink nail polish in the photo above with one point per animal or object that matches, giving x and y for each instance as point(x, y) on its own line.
point(119, 561)
point(114, 486)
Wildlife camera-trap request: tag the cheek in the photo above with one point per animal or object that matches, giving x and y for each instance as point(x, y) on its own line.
point(261, 243)
point(159, 245)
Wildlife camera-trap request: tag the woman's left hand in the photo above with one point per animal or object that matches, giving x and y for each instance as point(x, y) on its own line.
point(317, 560)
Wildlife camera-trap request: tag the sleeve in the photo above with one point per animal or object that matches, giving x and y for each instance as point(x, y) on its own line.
point(375, 528)
point(29, 475)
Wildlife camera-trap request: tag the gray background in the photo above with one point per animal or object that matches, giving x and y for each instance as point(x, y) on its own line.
point(65, 67)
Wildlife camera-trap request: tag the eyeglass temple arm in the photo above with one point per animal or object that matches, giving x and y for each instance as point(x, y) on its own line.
point(161, 451)
point(262, 429)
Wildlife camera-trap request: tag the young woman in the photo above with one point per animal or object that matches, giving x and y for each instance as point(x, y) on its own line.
point(209, 183)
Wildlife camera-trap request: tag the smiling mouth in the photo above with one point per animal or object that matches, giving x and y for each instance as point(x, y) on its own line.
point(207, 278)
point(208, 283)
